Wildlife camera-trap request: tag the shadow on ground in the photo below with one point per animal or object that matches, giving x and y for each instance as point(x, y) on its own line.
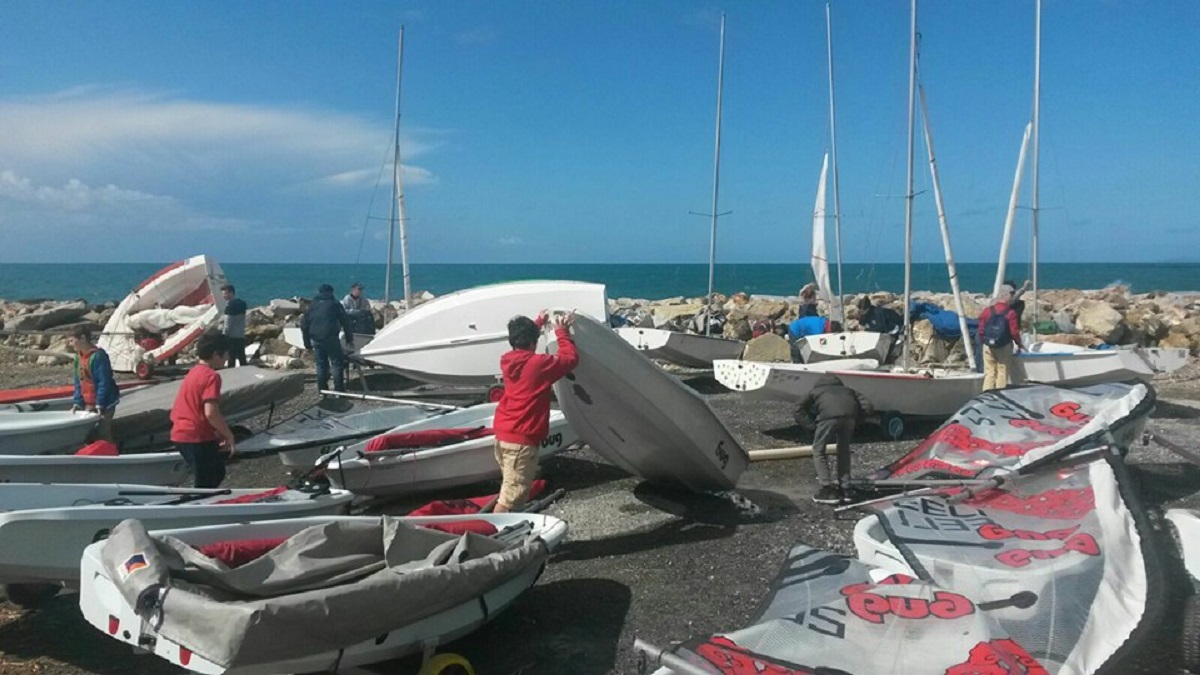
point(1174, 411)
point(735, 507)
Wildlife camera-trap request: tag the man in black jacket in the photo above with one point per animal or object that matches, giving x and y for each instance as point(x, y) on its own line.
point(320, 326)
point(836, 409)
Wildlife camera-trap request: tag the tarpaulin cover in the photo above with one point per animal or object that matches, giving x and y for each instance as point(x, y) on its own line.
point(945, 322)
point(99, 448)
point(1051, 572)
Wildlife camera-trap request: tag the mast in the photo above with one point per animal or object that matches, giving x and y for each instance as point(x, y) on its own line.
point(712, 245)
point(398, 191)
point(1012, 212)
point(837, 310)
point(1037, 99)
point(941, 209)
point(908, 192)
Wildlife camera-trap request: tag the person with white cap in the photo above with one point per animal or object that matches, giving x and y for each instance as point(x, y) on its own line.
point(999, 330)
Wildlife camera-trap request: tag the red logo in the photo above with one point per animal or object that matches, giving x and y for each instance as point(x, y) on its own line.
point(1064, 504)
point(998, 657)
point(874, 607)
point(1020, 557)
point(1069, 411)
point(731, 659)
point(994, 532)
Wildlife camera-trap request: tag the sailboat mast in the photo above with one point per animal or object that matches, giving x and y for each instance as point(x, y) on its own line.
point(1037, 100)
point(945, 226)
point(908, 191)
point(398, 188)
point(1012, 212)
point(712, 244)
point(837, 310)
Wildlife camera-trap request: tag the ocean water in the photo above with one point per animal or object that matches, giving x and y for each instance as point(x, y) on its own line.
point(258, 283)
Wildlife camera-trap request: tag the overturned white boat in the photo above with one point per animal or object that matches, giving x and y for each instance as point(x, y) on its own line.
point(44, 528)
point(683, 349)
point(780, 381)
point(149, 468)
point(643, 419)
point(459, 338)
point(35, 433)
point(447, 450)
point(1071, 365)
point(845, 345)
point(295, 337)
point(339, 592)
point(178, 302)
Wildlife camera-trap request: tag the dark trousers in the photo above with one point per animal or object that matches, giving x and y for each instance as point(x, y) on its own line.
point(330, 356)
point(841, 430)
point(237, 352)
point(206, 462)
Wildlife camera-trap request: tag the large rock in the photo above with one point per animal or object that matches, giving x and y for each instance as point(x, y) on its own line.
point(768, 348)
point(667, 313)
point(49, 316)
point(738, 330)
point(1076, 339)
point(281, 362)
point(1101, 320)
point(760, 309)
point(736, 301)
point(282, 308)
point(1177, 341)
point(1145, 327)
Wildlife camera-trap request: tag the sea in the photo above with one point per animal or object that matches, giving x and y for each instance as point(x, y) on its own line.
point(258, 283)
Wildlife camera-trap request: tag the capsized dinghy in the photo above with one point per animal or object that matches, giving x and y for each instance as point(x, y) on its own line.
point(147, 468)
point(683, 349)
point(35, 433)
point(341, 592)
point(44, 528)
point(459, 338)
point(448, 450)
point(1071, 365)
point(295, 337)
point(179, 302)
point(643, 419)
point(845, 345)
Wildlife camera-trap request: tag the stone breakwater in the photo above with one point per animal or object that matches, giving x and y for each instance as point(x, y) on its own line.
point(36, 331)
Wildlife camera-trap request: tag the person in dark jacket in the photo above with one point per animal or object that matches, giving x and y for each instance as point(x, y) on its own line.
point(835, 410)
point(882, 320)
point(320, 326)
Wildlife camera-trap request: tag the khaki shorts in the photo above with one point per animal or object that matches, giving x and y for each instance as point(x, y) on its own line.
point(518, 467)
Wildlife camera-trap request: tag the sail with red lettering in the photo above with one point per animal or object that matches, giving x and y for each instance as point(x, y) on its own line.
point(1038, 562)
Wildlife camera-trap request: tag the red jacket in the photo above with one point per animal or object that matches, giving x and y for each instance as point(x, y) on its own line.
point(1002, 309)
point(523, 415)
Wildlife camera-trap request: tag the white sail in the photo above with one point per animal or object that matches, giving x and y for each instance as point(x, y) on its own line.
point(820, 259)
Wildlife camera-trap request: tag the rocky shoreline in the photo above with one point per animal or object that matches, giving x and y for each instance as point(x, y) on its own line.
point(34, 331)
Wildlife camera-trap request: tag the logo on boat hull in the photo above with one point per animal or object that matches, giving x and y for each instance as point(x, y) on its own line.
point(133, 563)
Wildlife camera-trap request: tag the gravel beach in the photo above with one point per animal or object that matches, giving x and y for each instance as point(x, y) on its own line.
point(641, 561)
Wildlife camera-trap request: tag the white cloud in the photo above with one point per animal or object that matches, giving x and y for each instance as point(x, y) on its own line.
point(411, 175)
point(74, 195)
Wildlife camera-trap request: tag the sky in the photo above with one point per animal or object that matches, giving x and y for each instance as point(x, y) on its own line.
point(584, 131)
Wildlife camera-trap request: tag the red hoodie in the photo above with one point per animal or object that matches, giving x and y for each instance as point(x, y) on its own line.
point(523, 415)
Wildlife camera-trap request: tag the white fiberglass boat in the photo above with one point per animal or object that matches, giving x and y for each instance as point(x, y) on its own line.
point(295, 337)
point(35, 433)
point(148, 468)
point(44, 528)
point(334, 598)
point(846, 345)
point(179, 302)
point(780, 381)
point(448, 450)
point(459, 338)
point(1071, 365)
point(683, 349)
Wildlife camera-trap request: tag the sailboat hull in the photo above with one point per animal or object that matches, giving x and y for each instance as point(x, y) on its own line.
point(1068, 365)
point(848, 345)
point(684, 349)
point(926, 393)
point(780, 381)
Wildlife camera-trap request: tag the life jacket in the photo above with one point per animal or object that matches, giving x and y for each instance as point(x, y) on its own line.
point(83, 371)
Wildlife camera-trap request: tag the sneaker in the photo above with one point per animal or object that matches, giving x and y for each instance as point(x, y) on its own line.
point(828, 494)
point(853, 496)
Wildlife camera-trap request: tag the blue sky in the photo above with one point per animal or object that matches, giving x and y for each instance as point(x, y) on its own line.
point(583, 131)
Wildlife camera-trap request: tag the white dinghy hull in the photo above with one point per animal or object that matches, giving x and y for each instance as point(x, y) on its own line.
point(683, 349)
point(154, 468)
point(643, 419)
point(44, 528)
point(417, 470)
point(928, 392)
point(780, 381)
point(459, 338)
point(35, 433)
point(847, 345)
point(1070, 365)
point(295, 337)
point(105, 608)
point(191, 287)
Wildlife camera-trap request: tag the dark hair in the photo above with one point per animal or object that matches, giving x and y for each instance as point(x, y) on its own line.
point(82, 332)
point(864, 303)
point(212, 344)
point(229, 287)
point(325, 288)
point(356, 285)
point(522, 333)
point(835, 326)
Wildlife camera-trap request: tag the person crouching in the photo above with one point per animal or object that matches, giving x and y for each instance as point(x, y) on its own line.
point(522, 418)
point(835, 409)
point(198, 429)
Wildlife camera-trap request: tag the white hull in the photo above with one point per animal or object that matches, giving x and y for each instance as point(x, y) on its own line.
point(780, 381)
point(1069, 365)
point(35, 433)
point(412, 471)
point(44, 528)
point(165, 468)
point(925, 393)
point(195, 282)
point(101, 602)
point(644, 420)
point(684, 349)
point(851, 345)
point(295, 337)
point(459, 338)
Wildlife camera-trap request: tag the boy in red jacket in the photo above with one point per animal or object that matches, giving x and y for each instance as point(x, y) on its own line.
point(523, 416)
point(198, 429)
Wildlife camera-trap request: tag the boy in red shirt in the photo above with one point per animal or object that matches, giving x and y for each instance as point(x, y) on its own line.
point(523, 416)
point(198, 429)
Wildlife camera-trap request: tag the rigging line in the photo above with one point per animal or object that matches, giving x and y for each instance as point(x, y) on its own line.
point(371, 205)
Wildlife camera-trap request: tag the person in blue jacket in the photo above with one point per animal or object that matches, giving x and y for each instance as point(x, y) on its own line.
point(95, 387)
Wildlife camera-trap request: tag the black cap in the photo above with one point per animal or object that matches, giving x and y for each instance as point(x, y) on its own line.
point(325, 288)
point(357, 285)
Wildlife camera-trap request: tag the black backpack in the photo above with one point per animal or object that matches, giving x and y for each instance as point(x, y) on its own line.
point(995, 330)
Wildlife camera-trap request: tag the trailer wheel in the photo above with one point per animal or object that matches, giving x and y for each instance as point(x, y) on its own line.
point(893, 426)
point(144, 370)
point(1190, 642)
point(447, 664)
point(495, 393)
point(31, 596)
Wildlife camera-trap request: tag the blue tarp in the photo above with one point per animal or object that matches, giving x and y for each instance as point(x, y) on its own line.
point(945, 322)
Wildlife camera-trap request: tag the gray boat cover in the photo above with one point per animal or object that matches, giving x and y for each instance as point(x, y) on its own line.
point(330, 421)
point(326, 588)
point(143, 417)
point(1051, 572)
